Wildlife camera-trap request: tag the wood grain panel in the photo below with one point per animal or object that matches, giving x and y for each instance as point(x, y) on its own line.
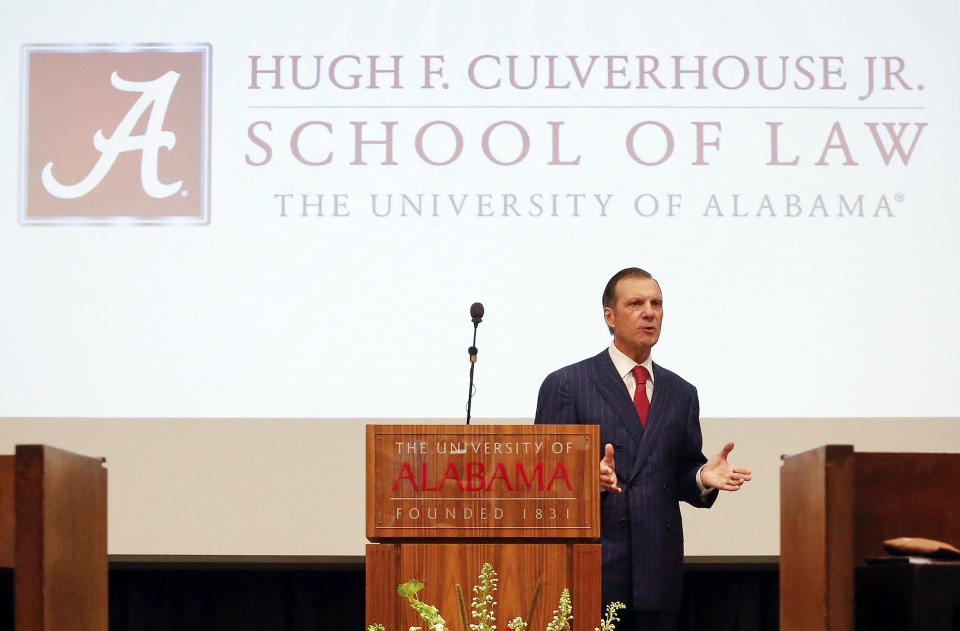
point(905, 495)
point(382, 578)
point(816, 540)
point(7, 519)
point(60, 578)
point(837, 507)
point(518, 565)
point(482, 481)
point(586, 583)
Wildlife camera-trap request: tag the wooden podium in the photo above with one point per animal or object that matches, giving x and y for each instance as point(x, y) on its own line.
point(837, 507)
point(53, 533)
point(442, 500)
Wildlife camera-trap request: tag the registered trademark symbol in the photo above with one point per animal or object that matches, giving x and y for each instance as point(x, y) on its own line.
point(184, 193)
point(899, 197)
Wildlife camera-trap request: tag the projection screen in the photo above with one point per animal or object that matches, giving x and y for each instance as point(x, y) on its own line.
point(234, 211)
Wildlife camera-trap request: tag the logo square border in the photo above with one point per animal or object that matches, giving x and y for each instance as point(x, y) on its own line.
point(206, 52)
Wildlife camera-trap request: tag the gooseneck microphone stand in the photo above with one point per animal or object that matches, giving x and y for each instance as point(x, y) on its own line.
point(476, 314)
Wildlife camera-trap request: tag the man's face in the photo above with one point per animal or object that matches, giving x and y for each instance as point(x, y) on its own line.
point(635, 317)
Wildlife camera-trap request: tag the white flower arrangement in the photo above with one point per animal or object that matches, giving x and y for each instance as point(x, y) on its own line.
point(483, 605)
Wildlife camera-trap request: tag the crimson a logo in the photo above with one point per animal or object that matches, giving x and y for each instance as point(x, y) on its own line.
point(115, 134)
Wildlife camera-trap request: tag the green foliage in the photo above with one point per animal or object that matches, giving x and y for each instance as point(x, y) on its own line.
point(410, 588)
point(430, 615)
point(483, 603)
point(563, 614)
point(611, 618)
point(462, 606)
point(535, 599)
point(517, 624)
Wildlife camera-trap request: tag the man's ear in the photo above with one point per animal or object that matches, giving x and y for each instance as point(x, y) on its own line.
point(608, 316)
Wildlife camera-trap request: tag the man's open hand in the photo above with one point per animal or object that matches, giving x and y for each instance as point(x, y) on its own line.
point(608, 471)
point(720, 474)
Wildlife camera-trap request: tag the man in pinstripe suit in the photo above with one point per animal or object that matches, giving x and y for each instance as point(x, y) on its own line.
point(652, 455)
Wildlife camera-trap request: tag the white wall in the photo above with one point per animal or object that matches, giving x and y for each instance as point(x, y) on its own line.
point(296, 487)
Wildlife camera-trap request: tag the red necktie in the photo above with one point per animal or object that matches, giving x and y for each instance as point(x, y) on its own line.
point(640, 400)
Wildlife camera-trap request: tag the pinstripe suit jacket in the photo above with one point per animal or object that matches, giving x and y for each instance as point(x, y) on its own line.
point(641, 532)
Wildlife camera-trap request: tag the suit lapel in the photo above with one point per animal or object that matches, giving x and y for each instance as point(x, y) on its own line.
point(614, 391)
point(663, 394)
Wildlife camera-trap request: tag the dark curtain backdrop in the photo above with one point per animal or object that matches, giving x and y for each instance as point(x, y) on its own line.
point(213, 599)
point(236, 600)
point(6, 598)
point(730, 600)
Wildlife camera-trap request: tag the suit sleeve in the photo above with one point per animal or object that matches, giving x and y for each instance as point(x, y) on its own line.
point(692, 459)
point(555, 405)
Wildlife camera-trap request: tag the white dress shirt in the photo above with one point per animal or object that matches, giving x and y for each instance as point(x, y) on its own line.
point(625, 365)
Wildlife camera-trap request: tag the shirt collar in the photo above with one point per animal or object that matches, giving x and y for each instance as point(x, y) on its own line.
point(624, 364)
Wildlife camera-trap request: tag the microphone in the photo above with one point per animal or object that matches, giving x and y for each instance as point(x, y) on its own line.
point(476, 312)
point(476, 315)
